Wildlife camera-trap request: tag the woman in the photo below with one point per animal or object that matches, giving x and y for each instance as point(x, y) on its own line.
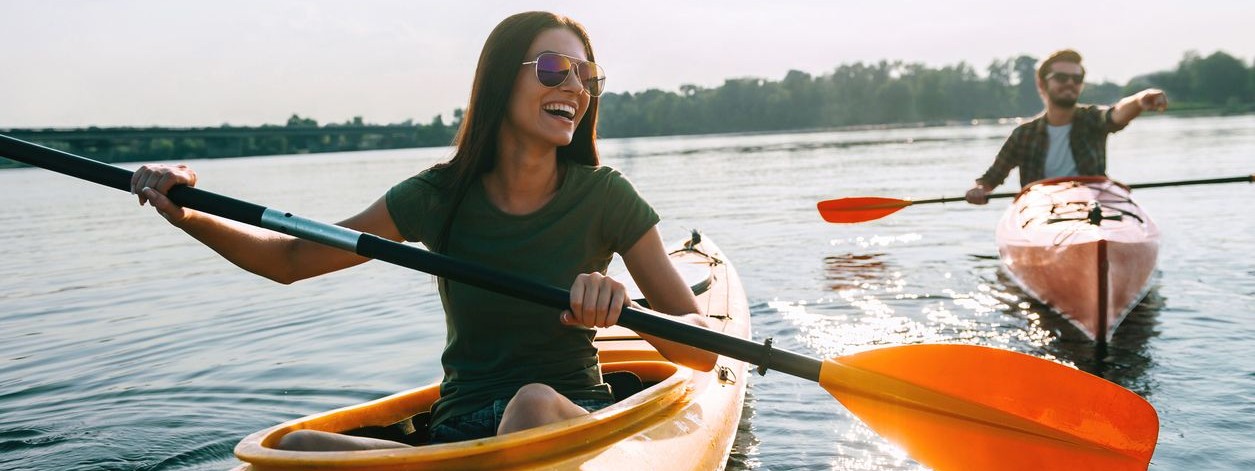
point(522, 193)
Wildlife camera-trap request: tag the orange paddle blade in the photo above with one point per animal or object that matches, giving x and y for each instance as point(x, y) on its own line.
point(964, 407)
point(859, 209)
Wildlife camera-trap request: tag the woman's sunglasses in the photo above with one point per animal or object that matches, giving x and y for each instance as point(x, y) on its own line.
point(552, 70)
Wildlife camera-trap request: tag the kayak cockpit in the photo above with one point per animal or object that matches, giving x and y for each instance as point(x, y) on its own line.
point(389, 417)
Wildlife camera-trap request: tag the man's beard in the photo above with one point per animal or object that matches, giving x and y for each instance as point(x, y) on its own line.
point(1062, 102)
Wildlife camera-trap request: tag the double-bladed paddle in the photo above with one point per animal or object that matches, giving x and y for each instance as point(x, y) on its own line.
point(869, 208)
point(959, 407)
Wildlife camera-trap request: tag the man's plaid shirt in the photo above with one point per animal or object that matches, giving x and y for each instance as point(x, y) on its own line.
point(1026, 148)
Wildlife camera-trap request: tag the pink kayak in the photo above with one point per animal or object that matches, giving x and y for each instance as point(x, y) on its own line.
point(1083, 247)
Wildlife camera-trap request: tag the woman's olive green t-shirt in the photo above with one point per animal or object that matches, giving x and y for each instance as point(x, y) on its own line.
point(496, 344)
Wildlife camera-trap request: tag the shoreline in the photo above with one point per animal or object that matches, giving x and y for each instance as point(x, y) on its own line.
point(365, 138)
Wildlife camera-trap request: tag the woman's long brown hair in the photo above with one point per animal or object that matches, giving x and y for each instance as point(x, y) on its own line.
point(499, 63)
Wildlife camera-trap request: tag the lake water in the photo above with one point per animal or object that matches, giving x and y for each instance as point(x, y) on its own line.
point(126, 345)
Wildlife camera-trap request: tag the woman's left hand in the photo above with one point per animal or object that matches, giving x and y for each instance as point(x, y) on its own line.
point(596, 301)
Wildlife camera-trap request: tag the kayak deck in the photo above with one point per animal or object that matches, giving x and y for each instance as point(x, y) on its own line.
point(682, 419)
point(1081, 246)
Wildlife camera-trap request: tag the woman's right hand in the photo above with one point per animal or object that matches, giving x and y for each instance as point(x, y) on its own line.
point(596, 301)
point(151, 183)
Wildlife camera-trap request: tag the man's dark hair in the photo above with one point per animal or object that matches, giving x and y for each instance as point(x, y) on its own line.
point(1062, 55)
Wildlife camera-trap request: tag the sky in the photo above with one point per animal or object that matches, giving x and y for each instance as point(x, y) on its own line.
point(75, 63)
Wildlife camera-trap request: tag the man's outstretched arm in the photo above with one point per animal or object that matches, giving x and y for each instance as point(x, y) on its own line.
point(1150, 99)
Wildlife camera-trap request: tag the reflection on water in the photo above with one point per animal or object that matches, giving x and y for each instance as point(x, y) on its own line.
point(1129, 360)
point(1127, 356)
point(875, 303)
point(745, 446)
point(851, 271)
point(794, 146)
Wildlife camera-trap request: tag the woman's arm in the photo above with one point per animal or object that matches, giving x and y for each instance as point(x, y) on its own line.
point(666, 291)
point(276, 256)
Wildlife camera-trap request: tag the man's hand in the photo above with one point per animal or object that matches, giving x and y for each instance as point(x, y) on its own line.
point(1152, 99)
point(978, 194)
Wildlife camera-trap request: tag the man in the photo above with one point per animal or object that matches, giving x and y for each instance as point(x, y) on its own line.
point(1067, 139)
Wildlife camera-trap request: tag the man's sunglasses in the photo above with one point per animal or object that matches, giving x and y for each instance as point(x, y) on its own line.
point(1063, 77)
point(552, 70)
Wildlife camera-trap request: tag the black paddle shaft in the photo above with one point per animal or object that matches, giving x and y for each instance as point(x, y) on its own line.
point(1245, 179)
point(372, 246)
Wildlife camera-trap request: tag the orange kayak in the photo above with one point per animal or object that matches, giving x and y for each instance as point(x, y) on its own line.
point(1083, 247)
point(681, 419)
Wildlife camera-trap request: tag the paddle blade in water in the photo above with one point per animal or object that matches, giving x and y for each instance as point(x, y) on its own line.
point(859, 209)
point(963, 407)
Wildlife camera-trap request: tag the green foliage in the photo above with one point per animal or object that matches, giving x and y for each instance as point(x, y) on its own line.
point(298, 136)
point(298, 122)
point(1106, 93)
point(1218, 80)
point(852, 94)
point(896, 92)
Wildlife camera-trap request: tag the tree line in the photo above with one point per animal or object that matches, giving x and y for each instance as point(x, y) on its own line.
point(298, 136)
point(856, 94)
point(898, 92)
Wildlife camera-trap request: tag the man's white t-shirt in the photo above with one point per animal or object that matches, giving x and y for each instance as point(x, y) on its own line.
point(1059, 161)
